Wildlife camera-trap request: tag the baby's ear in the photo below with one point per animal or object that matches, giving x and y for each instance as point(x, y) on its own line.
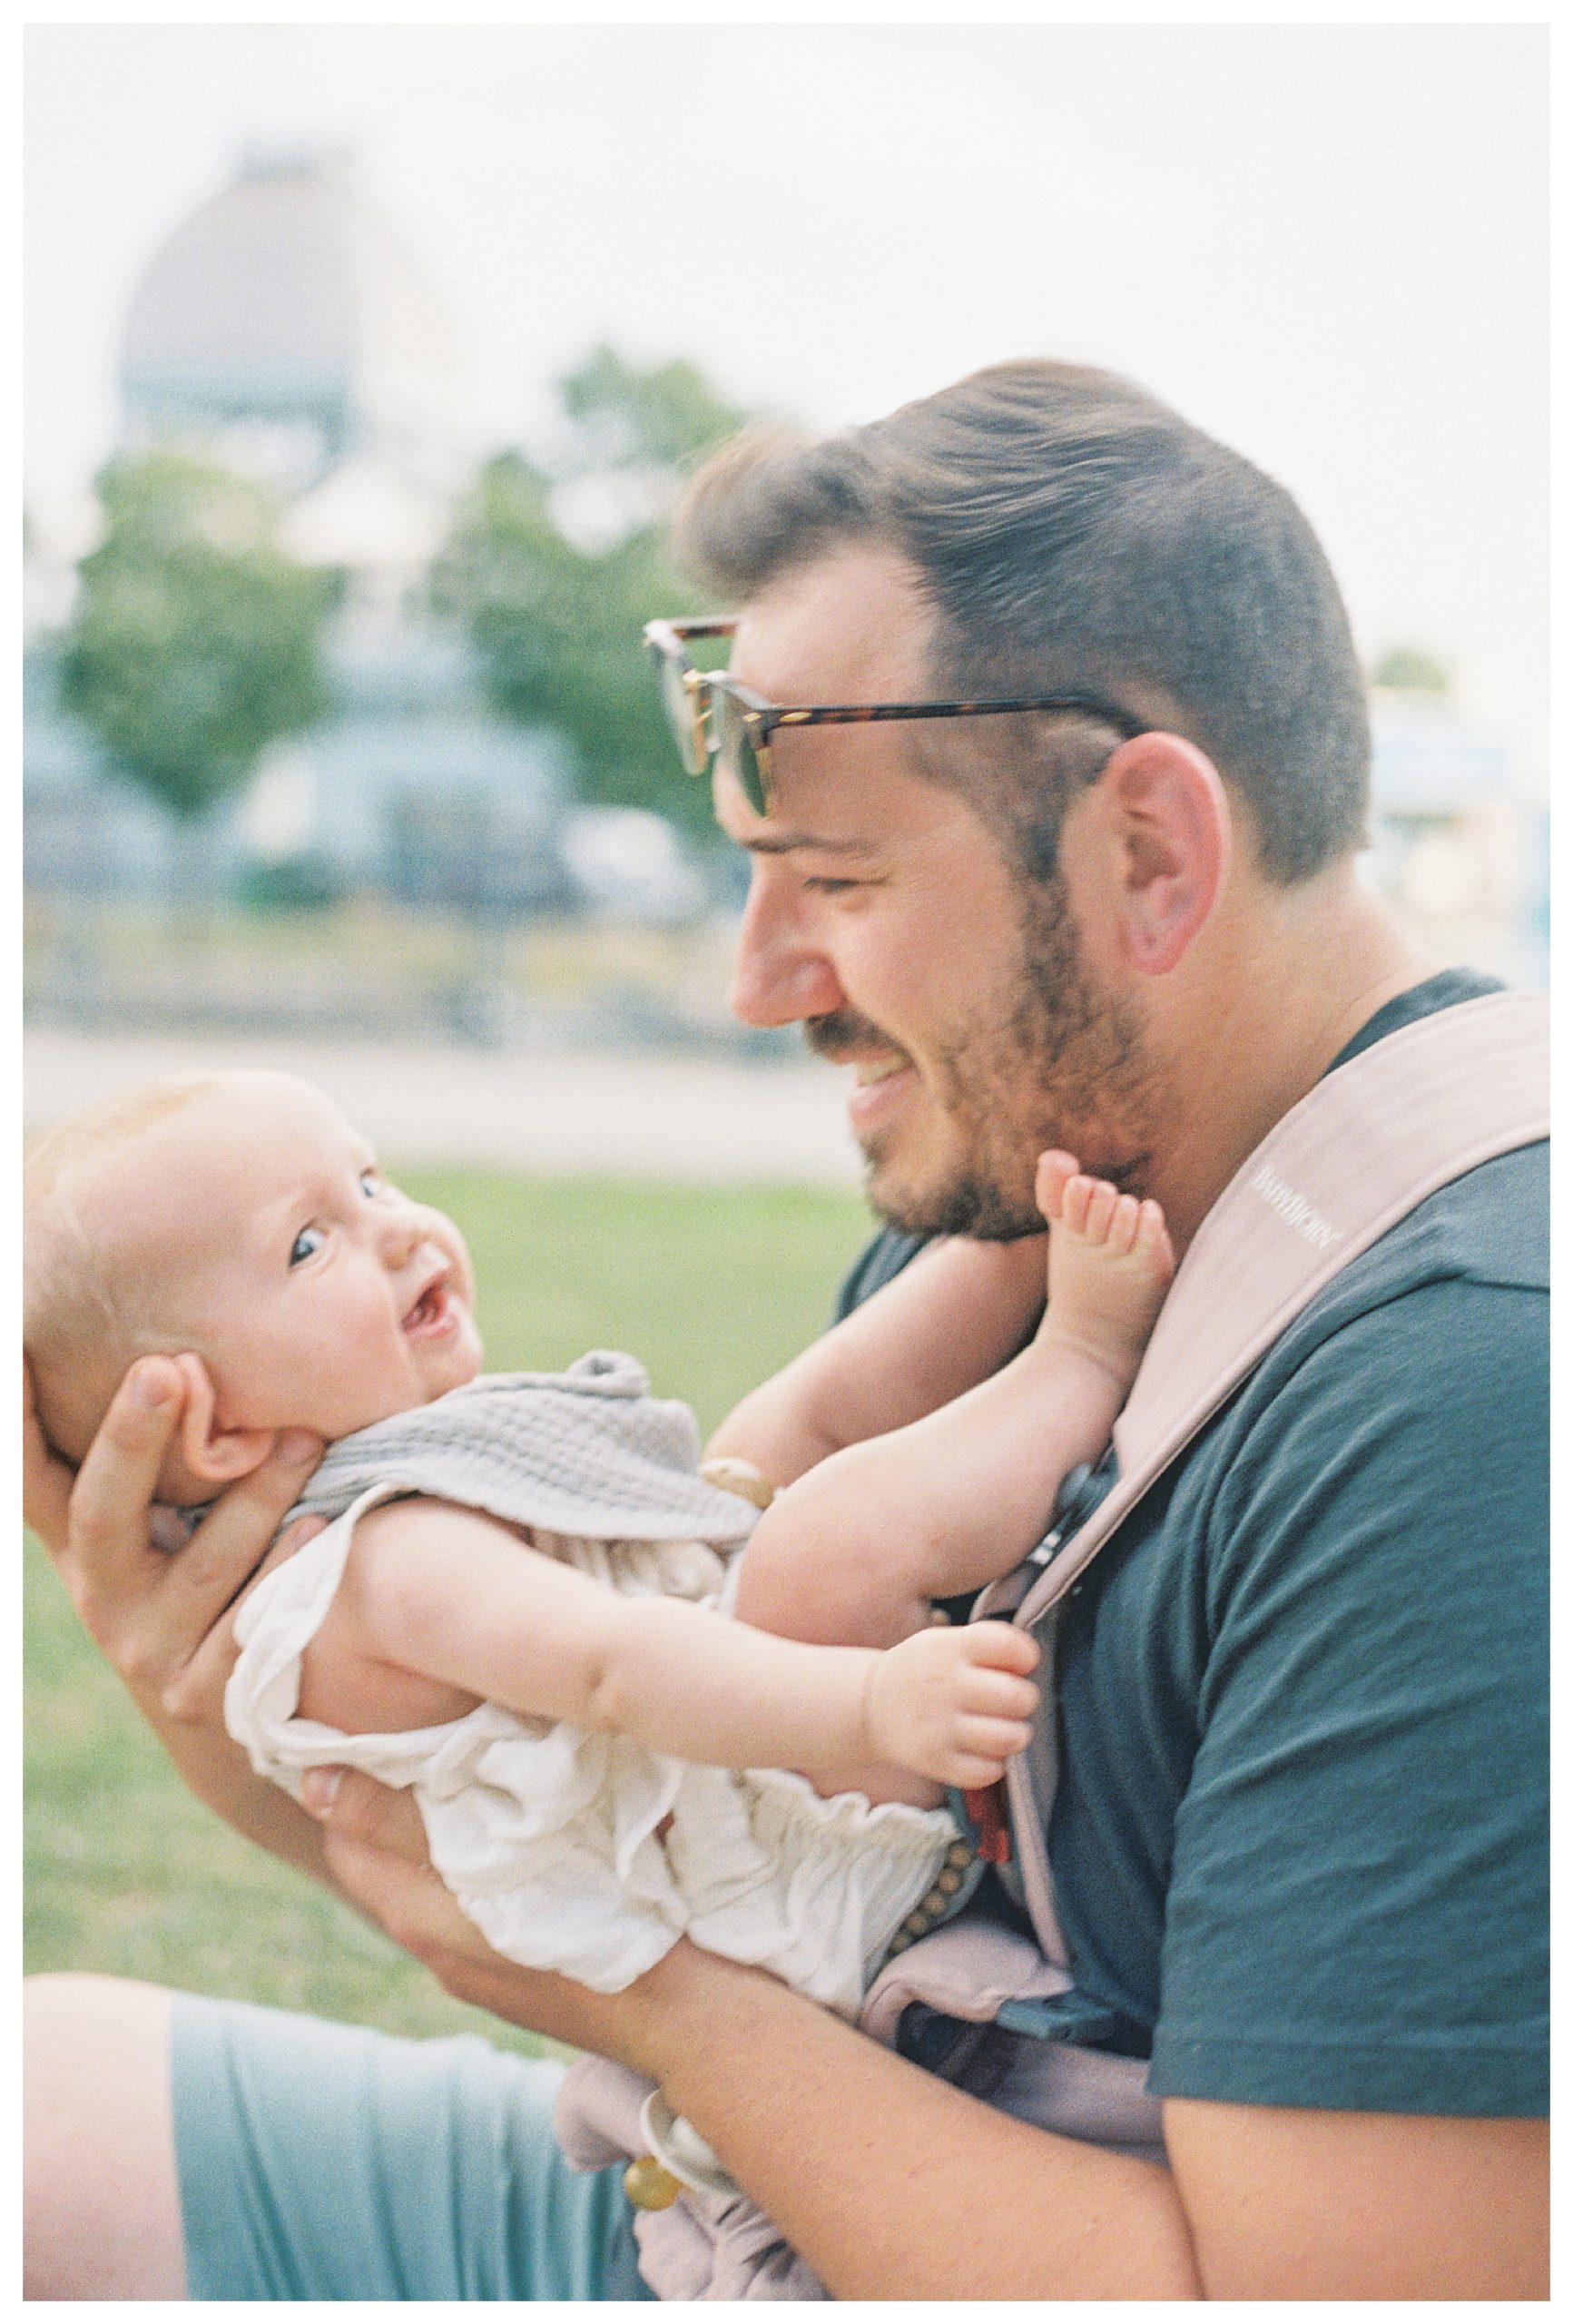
point(218, 1455)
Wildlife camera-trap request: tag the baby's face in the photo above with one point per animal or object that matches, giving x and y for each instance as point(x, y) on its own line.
point(319, 1296)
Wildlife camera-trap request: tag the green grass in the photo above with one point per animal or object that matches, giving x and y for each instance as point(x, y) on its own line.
point(125, 1872)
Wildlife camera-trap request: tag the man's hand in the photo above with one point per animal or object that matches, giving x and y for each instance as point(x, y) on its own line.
point(160, 1619)
point(374, 1847)
point(165, 1622)
point(953, 1704)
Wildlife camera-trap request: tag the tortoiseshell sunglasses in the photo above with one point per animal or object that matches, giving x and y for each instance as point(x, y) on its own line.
point(713, 715)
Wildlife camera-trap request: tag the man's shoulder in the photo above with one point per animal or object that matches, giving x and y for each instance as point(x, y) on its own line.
point(1415, 1383)
point(1486, 1232)
point(1491, 1226)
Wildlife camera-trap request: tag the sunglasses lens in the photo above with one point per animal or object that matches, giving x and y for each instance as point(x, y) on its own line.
point(735, 750)
point(681, 715)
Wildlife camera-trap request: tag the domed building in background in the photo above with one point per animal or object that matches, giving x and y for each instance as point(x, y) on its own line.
point(288, 320)
point(288, 329)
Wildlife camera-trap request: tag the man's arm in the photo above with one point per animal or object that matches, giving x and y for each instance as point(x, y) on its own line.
point(165, 1622)
point(893, 2185)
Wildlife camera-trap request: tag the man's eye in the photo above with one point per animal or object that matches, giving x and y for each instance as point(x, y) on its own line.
point(372, 1184)
point(310, 1239)
point(828, 887)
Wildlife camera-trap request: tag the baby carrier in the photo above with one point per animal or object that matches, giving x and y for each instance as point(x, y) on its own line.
point(1362, 1150)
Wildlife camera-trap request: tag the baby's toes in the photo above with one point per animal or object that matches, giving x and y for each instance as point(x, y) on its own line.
point(1101, 1206)
point(1152, 1238)
point(1124, 1224)
point(1074, 1202)
point(1055, 1172)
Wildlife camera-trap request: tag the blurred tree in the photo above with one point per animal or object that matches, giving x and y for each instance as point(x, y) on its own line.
point(194, 642)
point(1412, 669)
point(556, 561)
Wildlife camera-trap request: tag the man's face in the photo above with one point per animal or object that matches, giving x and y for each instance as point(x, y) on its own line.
point(884, 916)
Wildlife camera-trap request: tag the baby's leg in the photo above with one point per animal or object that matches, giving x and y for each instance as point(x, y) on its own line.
point(854, 1552)
point(828, 1563)
point(1110, 1265)
point(825, 1565)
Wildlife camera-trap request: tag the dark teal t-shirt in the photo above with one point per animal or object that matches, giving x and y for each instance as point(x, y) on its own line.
point(1298, 1844)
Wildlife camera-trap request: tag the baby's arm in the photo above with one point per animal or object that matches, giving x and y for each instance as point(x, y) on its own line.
point(953, 1315)
point(459, 1599)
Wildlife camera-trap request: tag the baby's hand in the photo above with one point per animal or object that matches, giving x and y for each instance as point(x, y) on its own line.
point(953, 1704)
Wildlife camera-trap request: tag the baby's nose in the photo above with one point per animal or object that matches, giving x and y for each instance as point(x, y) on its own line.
point(400, 1233)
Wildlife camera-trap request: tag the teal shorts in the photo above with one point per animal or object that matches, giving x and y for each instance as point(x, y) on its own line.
point(322, 2162)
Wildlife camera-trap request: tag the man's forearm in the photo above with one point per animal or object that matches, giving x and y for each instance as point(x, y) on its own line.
point(216, 1770)
point(891, 2184)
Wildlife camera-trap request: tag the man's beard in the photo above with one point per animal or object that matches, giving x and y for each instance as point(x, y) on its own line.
point(1068, 1068)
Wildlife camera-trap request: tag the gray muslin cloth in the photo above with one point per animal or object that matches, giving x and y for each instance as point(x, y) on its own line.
point(588, 1451)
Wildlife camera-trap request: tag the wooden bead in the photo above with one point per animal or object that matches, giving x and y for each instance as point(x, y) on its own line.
point(649, 2185)
point(728, 1474)
point(948, 1882)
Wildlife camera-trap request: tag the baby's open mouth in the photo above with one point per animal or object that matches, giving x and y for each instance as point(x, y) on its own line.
point(432, 1312)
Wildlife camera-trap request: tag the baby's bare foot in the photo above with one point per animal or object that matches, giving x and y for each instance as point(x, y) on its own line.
point(1110, 1263)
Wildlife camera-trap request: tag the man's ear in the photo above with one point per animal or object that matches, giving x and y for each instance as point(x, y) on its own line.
point(1170, 821)
point(218, 1455)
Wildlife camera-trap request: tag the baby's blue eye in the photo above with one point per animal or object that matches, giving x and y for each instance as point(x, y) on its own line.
point(308, 1239)
point(372, 1184)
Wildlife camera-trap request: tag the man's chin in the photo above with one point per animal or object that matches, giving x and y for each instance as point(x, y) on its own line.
point(965, 1204)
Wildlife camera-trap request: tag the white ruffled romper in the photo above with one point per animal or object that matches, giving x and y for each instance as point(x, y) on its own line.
point(548, 1835)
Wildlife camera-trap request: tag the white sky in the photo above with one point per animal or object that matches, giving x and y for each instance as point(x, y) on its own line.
point(1326, 243)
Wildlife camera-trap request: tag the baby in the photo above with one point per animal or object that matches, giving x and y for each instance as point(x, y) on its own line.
point(515, 1609)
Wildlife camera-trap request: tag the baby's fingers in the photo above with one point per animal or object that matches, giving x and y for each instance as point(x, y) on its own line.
point(981, 1748)
point(992, 1694)
point(999, 1646)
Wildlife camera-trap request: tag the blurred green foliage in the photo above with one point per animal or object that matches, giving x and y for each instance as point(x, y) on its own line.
point(293, 883)
point(194, 642)
point(557, 562)
point(1411, 668)
point(126, 1873)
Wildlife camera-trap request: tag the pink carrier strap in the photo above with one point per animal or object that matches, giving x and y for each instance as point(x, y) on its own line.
point(1359, 1152)
point(1364, 1146)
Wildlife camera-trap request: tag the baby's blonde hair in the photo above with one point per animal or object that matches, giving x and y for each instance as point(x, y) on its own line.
point(83, 1317)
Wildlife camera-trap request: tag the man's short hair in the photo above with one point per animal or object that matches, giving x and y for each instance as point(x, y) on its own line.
point(1073, 532)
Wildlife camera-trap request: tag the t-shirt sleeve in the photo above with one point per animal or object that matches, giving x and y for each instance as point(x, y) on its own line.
point(880, 1262)
point(1357, 1910)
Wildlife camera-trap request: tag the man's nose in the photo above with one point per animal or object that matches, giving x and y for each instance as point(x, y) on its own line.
point(782, 974)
